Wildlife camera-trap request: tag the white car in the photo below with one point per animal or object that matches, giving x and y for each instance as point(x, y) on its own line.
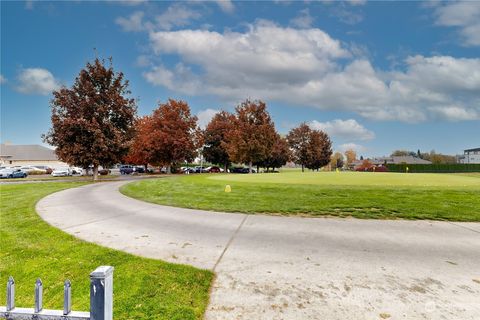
point(32, 169)
point(62, 172)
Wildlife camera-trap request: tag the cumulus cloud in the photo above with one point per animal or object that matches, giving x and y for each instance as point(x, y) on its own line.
point(346, 129)
point(2, 79)
point(204, 117)
point(226, 5)
point(465, 15)
point(36, 81)
point(303, 19)
point(176, 16)
point(352, 146)
point(318, 71)
point(132, 23)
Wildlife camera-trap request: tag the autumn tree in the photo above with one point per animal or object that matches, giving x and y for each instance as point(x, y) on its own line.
point(298, 139)
point(169, 136)
point(92, 122)
point(319, 150)
point(279, 155)
point(337, 160)
point(215, 139)
point(140, 150)
point(253, 133)
point(351, 156)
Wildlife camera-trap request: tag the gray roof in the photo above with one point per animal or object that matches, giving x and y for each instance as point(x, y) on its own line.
point(395, 160)
point(474, 149)
point(27, 152)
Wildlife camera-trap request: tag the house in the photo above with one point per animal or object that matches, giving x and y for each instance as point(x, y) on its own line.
point(469, 156)
point(393, 160)
point(29, 154)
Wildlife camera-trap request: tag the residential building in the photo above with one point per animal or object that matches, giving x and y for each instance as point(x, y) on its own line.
point(31, 154)
point(393, 160)
point(469, 156)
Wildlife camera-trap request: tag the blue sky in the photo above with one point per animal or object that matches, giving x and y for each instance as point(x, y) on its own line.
point(377, 76)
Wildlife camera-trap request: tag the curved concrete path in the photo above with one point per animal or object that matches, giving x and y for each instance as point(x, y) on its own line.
point(287, 267)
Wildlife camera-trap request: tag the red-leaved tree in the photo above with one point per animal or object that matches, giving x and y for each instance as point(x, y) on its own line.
point(253, 133)
point(92, 122)
point(167, 137)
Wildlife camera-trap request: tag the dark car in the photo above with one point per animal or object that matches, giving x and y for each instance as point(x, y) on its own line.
point(241, 170)
point(104, 172)
point(139, 169)
point(213, 169)
point(127, 169)
point(13, 173)
point(199, 169)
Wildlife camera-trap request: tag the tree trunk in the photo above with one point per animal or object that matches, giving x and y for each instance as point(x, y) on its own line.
point(250, 167)
point(95, 172)
point(303, 168)
point(169, 169)
point(226, 167)
point(258, 168)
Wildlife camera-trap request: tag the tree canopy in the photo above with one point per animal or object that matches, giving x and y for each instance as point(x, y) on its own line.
point(92, 122)
point(253, 134)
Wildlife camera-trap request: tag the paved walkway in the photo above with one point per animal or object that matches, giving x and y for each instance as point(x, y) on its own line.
point(287, 267)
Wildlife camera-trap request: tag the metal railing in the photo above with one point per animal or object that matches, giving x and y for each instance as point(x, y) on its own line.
point(101, 300)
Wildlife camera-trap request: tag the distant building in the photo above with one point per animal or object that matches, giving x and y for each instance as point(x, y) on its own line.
point(469, 156)
point(30, 154)
point(393, 160)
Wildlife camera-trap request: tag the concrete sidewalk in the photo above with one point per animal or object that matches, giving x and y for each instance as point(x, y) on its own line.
point(287, 267)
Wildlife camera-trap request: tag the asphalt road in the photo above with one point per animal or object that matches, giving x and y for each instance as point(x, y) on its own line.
point(287, 267)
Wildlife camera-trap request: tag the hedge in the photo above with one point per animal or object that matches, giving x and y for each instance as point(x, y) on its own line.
point(456, 167)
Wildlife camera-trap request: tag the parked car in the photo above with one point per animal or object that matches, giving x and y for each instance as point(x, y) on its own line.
point(33, 170)
point(213, 169)
point(47, 169)
point(104, 172)
point(76, 170)
point(62, 172)
point(187, 170)
point(199, 169)
point(12, 173)
point(127, 169)
point(139, 169)
point(241, 170)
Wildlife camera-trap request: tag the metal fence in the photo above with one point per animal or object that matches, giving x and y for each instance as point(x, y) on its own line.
point(101, 300)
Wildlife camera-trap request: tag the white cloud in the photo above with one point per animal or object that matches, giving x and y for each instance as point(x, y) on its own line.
point(143, 61)
point(303, 19)
point(2, 79)
point(464, 15)
point(352, 146)
point(132, 23)
point(226, 5)
point(346, 15)
point(36, 81)
point(176, 16)
point(454, 113)
point(346, 129)
point(318, 71)
point(204, 117)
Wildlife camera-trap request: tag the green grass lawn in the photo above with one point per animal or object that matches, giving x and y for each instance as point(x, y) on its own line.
point(358, 194)
point(143, 288)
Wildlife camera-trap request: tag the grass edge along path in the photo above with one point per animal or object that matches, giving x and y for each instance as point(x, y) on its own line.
point(143, 288)
point(206, 192)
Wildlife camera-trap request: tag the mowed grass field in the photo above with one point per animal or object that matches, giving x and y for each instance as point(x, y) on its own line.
point(143, 288)
point(454, 197)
